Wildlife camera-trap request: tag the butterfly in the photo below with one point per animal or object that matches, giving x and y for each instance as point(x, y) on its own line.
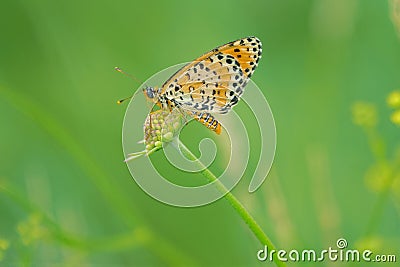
point(210, 84)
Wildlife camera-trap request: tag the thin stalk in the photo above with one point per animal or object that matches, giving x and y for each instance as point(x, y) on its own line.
point(378, 147)
point(381, 201)
point(112, 193)
point(234, 202)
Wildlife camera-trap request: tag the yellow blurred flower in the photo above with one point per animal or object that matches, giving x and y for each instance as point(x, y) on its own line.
point(31, 230)
point(393, 99)
point(364, 114)
point(378, 177)
point(373, 243)
point(4, 244)
point(395, 117)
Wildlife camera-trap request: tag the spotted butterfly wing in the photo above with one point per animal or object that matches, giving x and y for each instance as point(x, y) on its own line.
point(214, 82)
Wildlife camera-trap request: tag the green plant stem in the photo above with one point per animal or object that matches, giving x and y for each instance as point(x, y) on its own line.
point(378, 147)
point(103, 181)
point(67, 239)
point(379, 205)
point(235, 203)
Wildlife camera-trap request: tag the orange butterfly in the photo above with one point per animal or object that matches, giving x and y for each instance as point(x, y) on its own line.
point(212, 83)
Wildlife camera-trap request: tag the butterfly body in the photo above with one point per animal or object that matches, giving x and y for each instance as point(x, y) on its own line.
point(212, 83)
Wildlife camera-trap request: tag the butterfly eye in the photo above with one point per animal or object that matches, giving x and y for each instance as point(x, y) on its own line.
point(149, 92)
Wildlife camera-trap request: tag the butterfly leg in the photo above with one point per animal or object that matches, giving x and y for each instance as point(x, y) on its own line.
point(183, 113)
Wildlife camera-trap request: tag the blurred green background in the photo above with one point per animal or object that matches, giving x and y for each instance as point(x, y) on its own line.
point(67, 198)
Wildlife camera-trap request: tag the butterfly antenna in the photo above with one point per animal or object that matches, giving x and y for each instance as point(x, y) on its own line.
point(130, 76)
point(122, 100)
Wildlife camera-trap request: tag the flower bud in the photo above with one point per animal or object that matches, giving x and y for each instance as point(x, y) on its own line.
point(160, 127)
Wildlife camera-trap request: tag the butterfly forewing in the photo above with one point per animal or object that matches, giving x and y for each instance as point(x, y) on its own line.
point(215, 81)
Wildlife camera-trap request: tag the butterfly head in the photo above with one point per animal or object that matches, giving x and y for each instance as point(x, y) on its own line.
point(151, 93)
